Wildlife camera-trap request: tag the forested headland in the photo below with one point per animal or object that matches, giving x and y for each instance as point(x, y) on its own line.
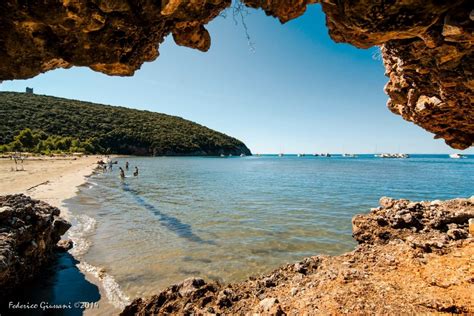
point(46, 124)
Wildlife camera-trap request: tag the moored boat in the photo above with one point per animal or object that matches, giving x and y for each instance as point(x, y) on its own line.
point(387, 155)
point(456, 156)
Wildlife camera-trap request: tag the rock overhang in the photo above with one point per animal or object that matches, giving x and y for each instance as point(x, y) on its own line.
point(427, 46)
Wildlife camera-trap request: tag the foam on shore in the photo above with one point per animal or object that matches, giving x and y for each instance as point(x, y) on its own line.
point(112, 289)
point(83, 228)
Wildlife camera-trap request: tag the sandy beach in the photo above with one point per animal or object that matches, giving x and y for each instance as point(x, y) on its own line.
point(52, 180)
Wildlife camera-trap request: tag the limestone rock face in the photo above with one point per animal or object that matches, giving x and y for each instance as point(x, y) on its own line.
point(284, 10)
point(427, 48)
point(111, 36)
point(29, 233)
point(427, 45)
point(428, 225)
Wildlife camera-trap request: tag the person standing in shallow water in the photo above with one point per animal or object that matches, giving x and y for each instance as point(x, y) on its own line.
point(135, 174)
point(122, 173)
point(126, 165)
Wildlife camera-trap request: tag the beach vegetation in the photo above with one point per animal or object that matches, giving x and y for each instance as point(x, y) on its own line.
point(40, 143)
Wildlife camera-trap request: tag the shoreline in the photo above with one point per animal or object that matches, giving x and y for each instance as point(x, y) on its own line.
point(52, 180)
point(56, 180)
point(387, 247)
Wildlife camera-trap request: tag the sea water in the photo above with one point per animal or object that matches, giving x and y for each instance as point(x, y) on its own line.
point(226, 219)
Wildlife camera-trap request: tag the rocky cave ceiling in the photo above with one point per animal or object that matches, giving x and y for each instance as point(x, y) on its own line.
point(427, 45)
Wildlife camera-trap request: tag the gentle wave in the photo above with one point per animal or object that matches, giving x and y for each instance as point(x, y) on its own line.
point(112, 290)
point(83, 227)
point(91, 184)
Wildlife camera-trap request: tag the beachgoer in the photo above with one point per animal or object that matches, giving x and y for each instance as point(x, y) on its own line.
point(135, 174)
point(122, 173)
point(126, 165)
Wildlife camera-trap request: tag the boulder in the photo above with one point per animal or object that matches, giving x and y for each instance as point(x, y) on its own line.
point(29, 233)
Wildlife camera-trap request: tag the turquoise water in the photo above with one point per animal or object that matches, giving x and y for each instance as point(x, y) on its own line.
point(227, 219)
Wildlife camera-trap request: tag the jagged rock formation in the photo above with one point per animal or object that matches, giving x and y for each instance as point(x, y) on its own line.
point(29, 233)
point(427, 46)
point(111, 36)
point(413, 257)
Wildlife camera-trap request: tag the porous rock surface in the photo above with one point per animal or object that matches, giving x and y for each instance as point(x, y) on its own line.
point(412, 258)
point(427, 45)
point(29, 233)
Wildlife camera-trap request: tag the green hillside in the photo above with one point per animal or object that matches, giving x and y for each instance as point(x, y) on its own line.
point(111, 129)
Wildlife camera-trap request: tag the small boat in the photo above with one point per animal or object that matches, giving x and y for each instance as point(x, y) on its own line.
point(315, 155)
point(280, 155)
point(387, 155)
point(399, 155)
point(456, 156)
point(222, 155)
point(326, 155)
point(349, 155)
point(242, 155)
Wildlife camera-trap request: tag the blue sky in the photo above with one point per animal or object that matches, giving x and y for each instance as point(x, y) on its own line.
point(297, 91)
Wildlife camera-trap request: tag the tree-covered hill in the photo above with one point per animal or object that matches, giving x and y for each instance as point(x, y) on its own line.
point(111, 129)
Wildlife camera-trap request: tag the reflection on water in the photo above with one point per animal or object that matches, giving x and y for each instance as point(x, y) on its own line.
point(172, 223)
point(226, 219)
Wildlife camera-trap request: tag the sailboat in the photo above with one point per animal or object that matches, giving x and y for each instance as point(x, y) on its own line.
point(281, 154)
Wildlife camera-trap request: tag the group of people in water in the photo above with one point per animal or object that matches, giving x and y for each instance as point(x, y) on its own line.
point(108, 166)
point(122, 172)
